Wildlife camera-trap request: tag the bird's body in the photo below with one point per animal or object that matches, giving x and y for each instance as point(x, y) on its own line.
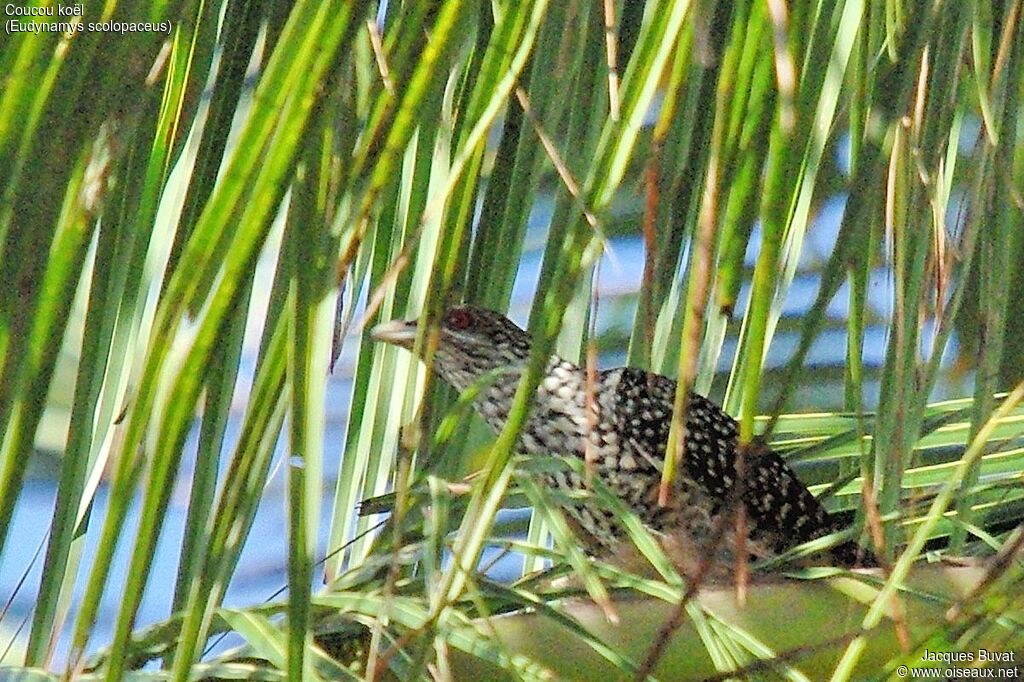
point(623, 430)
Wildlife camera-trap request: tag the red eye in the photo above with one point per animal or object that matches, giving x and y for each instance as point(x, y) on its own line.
point(458, 319)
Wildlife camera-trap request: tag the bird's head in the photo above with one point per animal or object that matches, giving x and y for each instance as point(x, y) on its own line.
point(473, 341)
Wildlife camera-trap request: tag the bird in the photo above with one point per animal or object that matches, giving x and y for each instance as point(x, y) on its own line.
point(622, 426)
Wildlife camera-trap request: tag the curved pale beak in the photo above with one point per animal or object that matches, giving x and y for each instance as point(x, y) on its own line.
point(396, 332)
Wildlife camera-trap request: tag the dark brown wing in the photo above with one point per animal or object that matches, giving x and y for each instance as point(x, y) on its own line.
point(782, 511)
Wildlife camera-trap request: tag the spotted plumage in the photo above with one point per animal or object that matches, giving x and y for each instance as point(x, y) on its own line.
point(625, 439)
